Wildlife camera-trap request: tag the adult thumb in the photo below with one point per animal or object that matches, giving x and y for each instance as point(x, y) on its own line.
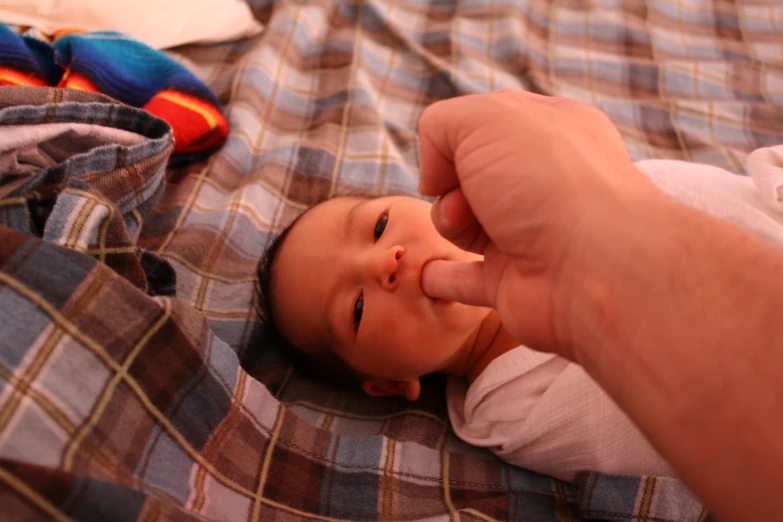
point(461, 281)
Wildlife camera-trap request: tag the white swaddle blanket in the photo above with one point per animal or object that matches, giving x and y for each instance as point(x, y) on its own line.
point(544, 413)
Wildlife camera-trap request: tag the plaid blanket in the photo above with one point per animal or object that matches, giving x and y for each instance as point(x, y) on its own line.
point(132, 385)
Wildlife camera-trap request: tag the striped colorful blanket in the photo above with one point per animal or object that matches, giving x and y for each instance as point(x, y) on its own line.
point(132, 386)
point(125, 69)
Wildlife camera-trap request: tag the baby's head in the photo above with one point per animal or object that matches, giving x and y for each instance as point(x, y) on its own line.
point(342, 286)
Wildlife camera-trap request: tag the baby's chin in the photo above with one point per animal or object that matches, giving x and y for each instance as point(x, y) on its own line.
point(460, 316)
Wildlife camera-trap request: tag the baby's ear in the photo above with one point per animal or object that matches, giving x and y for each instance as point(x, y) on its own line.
point(409, 389)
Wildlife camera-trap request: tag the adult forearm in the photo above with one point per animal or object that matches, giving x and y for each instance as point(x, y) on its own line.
point(680, 319)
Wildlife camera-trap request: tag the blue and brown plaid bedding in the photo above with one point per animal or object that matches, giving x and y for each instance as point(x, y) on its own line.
point(132, 383)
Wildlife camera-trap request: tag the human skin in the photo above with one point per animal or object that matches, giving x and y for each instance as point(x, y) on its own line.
point(348, 281)
point(674, 313)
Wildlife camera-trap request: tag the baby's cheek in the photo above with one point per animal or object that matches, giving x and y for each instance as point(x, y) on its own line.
point(399, 326)
point(388, 323)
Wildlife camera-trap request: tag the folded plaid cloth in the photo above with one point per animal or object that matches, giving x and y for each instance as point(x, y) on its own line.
point(125, 69)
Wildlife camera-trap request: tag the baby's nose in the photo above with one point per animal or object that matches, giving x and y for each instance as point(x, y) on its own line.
point(388, 267)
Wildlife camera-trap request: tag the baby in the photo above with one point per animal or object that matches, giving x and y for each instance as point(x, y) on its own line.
point(342, 286)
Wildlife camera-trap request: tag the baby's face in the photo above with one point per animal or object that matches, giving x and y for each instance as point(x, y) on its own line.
point(348, 280)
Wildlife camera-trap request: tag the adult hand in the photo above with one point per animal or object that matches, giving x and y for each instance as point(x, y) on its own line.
point(674, 312)
point(532, 183)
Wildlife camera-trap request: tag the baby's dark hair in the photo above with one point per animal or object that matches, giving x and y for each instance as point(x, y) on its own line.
point(323, 365)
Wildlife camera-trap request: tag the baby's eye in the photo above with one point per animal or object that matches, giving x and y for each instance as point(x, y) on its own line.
point(358, 308)
point(380, 226)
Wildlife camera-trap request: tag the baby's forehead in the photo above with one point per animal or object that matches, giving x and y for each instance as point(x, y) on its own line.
point(323, 219)
point(336, 206)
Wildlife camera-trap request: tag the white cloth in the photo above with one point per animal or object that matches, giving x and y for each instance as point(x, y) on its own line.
point(544, 413)
point(161, 24)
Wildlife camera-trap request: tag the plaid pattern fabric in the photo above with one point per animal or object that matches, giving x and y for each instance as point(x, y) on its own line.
point(117, 404)
point(656, 499)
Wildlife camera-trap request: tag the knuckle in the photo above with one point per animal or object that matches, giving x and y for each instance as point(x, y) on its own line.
point(507, 91)
point(430, 113)
point(593, 112)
